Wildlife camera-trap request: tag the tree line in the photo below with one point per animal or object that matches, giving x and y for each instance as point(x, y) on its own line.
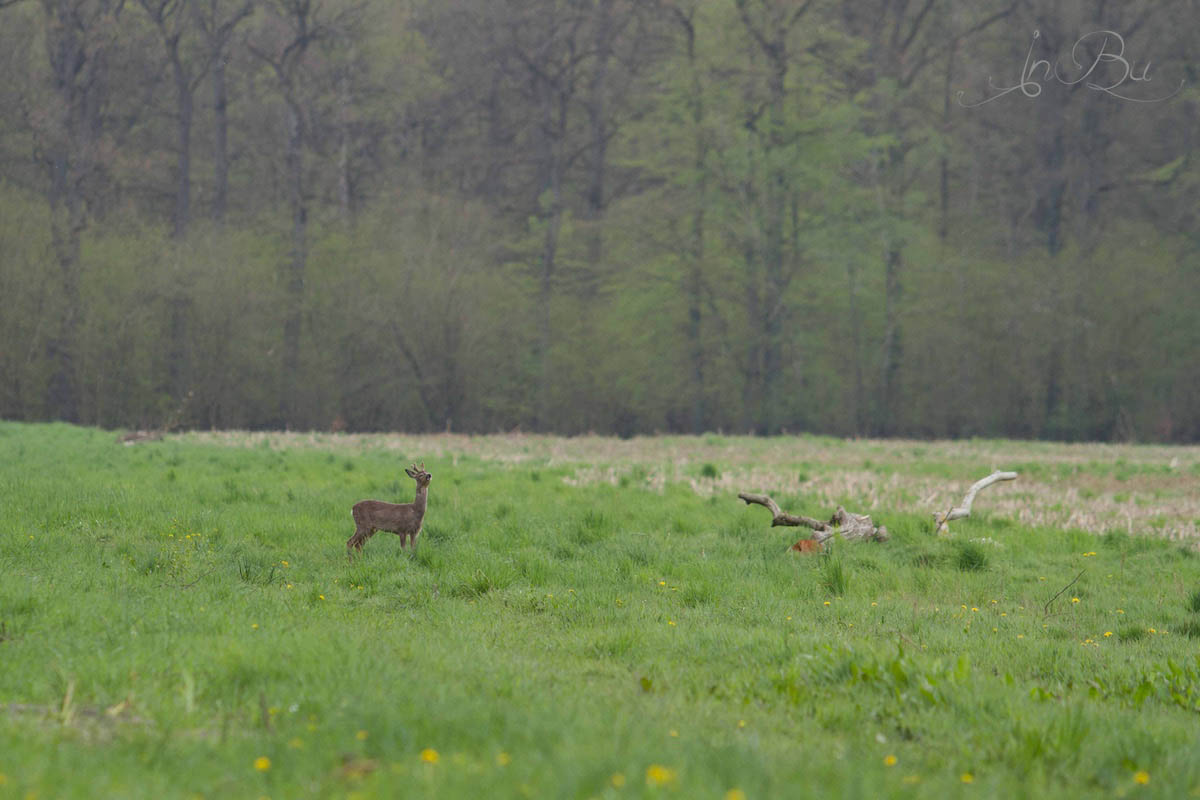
point(871, 217)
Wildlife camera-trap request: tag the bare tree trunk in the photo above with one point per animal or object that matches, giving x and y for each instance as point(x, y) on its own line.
point(889, 389)
point(553, 129)
point(296, 264)
point(598, 132)
point(343, 172)
point(184, 106)
point(693, 280)
point(67, 140)
point(217, 33)
point(766, 286)
point(220, 102)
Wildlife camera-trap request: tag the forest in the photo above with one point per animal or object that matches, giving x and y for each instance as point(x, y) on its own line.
point(913, 218)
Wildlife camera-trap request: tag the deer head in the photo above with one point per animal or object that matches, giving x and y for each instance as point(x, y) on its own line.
point(419, 475)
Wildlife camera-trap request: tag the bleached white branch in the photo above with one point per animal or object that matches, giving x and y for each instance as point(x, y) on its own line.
point(941, 519)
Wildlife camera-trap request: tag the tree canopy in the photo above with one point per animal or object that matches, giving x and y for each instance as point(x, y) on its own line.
point(871, 217)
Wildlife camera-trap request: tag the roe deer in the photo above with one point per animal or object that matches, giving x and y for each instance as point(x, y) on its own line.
point(402, 519)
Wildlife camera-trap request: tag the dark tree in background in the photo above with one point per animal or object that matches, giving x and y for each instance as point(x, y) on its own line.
point(619, 216)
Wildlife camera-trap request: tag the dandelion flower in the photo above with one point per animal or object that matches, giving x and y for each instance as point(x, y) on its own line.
point(967, 778)
point(826, 602)
point(254, 625)
point(1107, 634)
point(321, 596)
point(658, 775)
point(1074, 599)
point(429, 755)
point(503, 759)
point(889, 760)
point(1141, 776)
point(735, 794)
point(262, 763)
point(617, 780)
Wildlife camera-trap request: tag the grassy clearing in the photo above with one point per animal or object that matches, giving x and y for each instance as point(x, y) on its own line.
point(178, 618)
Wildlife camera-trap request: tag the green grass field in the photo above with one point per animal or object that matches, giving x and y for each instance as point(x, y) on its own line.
point(592, 618)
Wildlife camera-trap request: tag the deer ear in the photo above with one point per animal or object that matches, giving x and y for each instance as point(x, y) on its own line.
point(409, 473)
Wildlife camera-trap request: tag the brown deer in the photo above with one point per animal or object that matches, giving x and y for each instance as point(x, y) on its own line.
point(402, 519)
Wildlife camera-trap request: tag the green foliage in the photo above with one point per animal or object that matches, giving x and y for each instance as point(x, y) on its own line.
point(834, 578)
point(727, 217)
point(1193, 602)
point(970, 556)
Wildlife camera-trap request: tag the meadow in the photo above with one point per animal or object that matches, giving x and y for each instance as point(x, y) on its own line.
point(593, 617)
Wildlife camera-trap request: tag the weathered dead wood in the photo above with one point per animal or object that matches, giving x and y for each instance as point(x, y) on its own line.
point(850, 526)
point(941, 520)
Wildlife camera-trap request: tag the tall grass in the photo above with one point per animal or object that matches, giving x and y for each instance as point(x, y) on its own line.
point(180, 619)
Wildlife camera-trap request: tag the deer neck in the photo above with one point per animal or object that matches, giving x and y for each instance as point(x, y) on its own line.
point(419, 501)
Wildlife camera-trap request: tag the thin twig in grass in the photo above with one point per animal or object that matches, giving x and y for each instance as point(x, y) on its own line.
point(1046, 608)
point(201, 577)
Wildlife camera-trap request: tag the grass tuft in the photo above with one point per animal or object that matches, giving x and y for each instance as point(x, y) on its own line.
point(970, 557)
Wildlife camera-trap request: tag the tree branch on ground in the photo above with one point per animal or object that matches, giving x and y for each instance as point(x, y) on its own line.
point(941, 520)
point(850, 526)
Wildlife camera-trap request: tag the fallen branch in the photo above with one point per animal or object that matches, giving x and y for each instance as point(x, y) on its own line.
point(850, 526)
point(1058, 594)
point(941, 520)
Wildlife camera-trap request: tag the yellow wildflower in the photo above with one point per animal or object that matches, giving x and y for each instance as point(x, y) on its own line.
point(429, 755)
point(889, 760)
point(617, 780)
point(735, 794)
point(361, 736)
point(503, 759)
point(1141, 776)
point(967, 777)
point(262, 763)
point(658, 775)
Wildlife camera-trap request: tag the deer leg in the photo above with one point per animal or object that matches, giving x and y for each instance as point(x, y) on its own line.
point(362, 532)
point(359, 538)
